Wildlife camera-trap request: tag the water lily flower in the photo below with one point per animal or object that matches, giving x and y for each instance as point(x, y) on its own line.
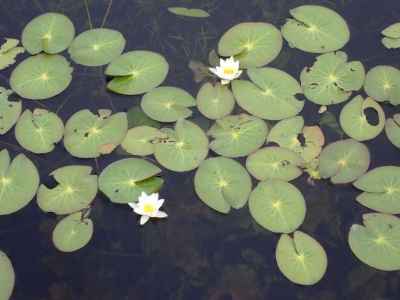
point(148, 206)
point(227, 70)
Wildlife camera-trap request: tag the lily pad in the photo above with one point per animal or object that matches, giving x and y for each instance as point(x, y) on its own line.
point(274, 163)
point(9, 111)
point(254, 44)
point(19, 181)
point(39, 131)
point(7, 280)
point(42, 76)
point(8, 52)
point(136, 117)
point(222, 183)
point(215, 101)
point(50, 32)
point(167, 104)
point(277, 206)
point(271, 95)
point(344, 161)
point(316, 29)
point(391, 35)
point(237, 135)
point(377, 242)
point(136, 72)
point(301, 258)
point(97, 47)
point(75, 190)
point(332, 79)
point(184, 148)
point(392, 129)
point(73, 233)
point(140, 140)
point(188, 12)
point(88, 135)
point(123, 181)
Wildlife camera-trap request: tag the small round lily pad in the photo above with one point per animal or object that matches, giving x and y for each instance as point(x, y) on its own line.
point(215, 101)
point(7, 280)
point(391, 39)
point(140, 140)
point(9, 111)
point(392, 129)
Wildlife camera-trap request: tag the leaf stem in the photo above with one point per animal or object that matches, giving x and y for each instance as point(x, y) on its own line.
point(107, 13)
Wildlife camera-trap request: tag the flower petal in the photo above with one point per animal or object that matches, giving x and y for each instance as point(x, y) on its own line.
point(214, 71)
point(133, 205)
point(161, 214)
point(225, 82)
point(159, 203)
point(144, 219)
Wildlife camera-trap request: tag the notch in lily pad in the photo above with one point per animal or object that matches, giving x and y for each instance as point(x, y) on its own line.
point(392, 129)
point(391, 39)
point(8, 52)
point(9, 111)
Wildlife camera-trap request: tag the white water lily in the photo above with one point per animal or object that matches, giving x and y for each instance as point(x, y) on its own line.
point(148, 206)
point(227, 70)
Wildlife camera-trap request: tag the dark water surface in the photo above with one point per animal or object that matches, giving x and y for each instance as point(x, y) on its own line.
point(196, 253)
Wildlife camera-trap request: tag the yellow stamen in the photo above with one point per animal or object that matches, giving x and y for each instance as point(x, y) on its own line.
point(149, 208)
point(229, 71)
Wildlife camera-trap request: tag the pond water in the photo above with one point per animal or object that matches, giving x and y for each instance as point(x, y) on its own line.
point(196, 253)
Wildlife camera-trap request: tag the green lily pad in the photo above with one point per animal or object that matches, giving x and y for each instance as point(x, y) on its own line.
point(391, 35)
point(381, 188)
point(9, 111)
point(88, 135)
point(183, 149)
point(39, 131)
point(315, 29)
point(301, 258)
point(97, 47)
point(277, 206)
point(382, 83)
point(377, 243)
point(255, 44)
point(8, 52)
point(215, 101)
point(140, 140)
point(355, 123)
point(19, 181)
point(42, 76)
point(274, 163)
point(237, 135)
point(271, 95)
point(7, 280)
point(392, 129)
point(123, 181)
point(136, 117)
point(73, 233)
point(222, 183)
point(189, 12)
point(167, 104)
point(50, 32)
point(75, 190)
point(136, 72)
point(344, 161)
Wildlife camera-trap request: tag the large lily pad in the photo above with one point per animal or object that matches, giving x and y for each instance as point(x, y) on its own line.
point(123, 181)
point(75, 190)
point(8, 52)
point(316, 29)
point(50, 32)
point(136, 72)
point(344, 161)
point(354, 120)
point(39, 131)
point(167, 104)
point(42, 76)
point(377, 243)
point(237, 135)
point(391, 35)
point(7, 279)
point(9, 111)
point(392, 129)
point(184, 148)
point(19, 181)
point(97, 47)
point(271, 96)
point(88, 135)
point(222, 184)
point(301, 258)
point(255, 44)
point(277, 206)
point(215, 101)
point(140, 140)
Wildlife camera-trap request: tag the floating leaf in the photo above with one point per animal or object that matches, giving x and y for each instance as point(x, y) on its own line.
point(391, 38)
point(237, 135)
point(97, 47)
point(392, 129)
point(42, 76)
point(49, 32)
point(315, 29)
point(328, 120)
point(167, 104)
point(189, 12)
point(136, 117)
point(301, 258)
point(73, 233)
point(344, 161)
point(75, 190)
point(277, 206)
point(86, 134)
point(39, 131)
point(140, 140)
point(354, 120)
point(215, 101)
point(136, 72)
point(271, 96)
point(8, 53)
point(7, 280)
point(123, 181)
point(222, 184)
point(9, 111)
point(19, 181)
point(377, 243)
point(255, 44)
